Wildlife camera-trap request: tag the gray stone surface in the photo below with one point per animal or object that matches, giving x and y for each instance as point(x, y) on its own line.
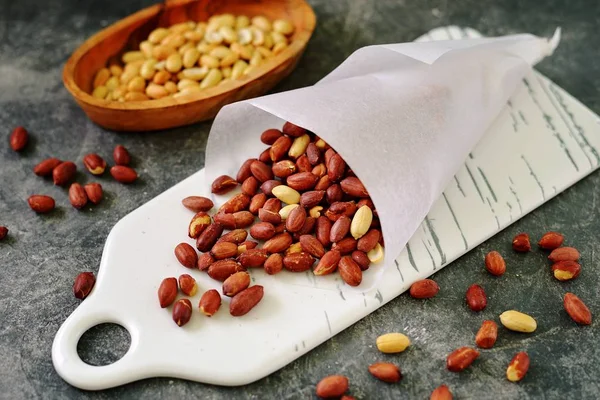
point(43, 253)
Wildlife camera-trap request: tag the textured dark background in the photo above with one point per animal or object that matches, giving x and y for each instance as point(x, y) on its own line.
point(43, 253)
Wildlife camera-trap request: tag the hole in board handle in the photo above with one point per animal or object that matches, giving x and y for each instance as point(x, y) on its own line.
point(103, 344)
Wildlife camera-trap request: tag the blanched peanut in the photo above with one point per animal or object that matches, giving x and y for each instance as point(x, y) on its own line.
point(238, 69)
point(137, 84)
point(262, 22)
point(195, 74)
point(213, 37)
point(146, 47)
point(174, 63)
point(147, 70)
point(171, 87)
point(283, 26)
point(157, 35)
point(212, 79)
point(186, 47)
point(132, 56)
point(228, 34)
point(116, 70)
point(182, 84)
point(128, 76)
point(242, 21)
point(155, 91)
point(136, 96)
point(181, 27)
point(279, 47)
point(174, 40)
point(188, 90)
point(220, 52)
point(112, 83)
point(161, 77)
point(268, 42)
point(209, 61)
point(100, 92)
point(245, 36)
point(162, 52)
point(191, 57)
point(101, 77)
point(194, 36)
point(229, 60)
point(256, 59)
point(278, 37)
point(226, 73)
point(264, 52)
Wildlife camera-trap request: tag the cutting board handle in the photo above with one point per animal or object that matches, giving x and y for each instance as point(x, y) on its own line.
point(73, 369)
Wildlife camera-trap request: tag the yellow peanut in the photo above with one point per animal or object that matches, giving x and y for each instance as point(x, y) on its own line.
point(101, 77)
point(392, 343)
point(212, 79)
point(186, 47)
point(174, 63)
point(228, 34)
point(171, 87)
point(279, 47)
point(182, 84)
point(229, 60)
point(131, 56)
point(112, 83)
point(209, 61)
point(242, 21)
point(116, 70)
point(191, 57)
point(146, 47)
point(100, 92)
point(157, 35)
point(173, 40)
point(147, 70)
point(238, 69)
point(155, 91)
point(264, 52)
point(161, 77)
point(194, 36)
point(283, 26)
point(226, 73)
point(162, 52)
point(256, 59)
point(137, 84)
point(517, 321)
point(187, 90)
point(195, 74)
point(261, 22)
point(136, 96)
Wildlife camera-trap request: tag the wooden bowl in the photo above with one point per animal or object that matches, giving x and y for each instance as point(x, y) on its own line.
point(170, 112)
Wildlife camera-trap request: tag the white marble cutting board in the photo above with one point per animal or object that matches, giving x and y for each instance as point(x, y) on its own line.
point(543, 142)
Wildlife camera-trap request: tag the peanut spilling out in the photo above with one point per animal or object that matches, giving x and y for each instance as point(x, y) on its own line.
point(190, 56)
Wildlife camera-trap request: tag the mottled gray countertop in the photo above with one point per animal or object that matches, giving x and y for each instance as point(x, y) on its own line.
point(43, 254)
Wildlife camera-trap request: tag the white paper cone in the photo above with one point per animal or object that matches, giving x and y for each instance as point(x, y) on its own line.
point(403, 116)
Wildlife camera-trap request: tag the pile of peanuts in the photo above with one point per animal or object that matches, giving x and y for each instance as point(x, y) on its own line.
point(301, 200)
point(191, 56)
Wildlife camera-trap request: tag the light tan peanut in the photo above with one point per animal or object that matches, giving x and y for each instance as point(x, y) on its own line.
point(224, 81)
point(182, 27)
point(135, 96)
point(204, 47)
point(112, 83)
point(191, 57)
point(171, 87)
point(258, 36)
point(256, 59)
point(242, 21)
point(212, 79)
point(315, 212)
point(155, 91)
point(119, 93)
point(517, 321)
point(238, 69)
point(268, 43)
point(182, 84)
point(147, 47)
point(220, 52)
point(116, 70)
point(283, 26)
point(209, 61)
point(213, 37)
point(250, 69)
point(286, 194)
point(229, 34)
point(245, 36)
point(195, 74)
point(278, 37)
point(361, 222)
point(160, 66)
point(226, 74)
point(157, 35)
point(174, 63)
point(229, 60)
point(101, 77)
point(376, 254)
point(299, 144)
point(261, 22)
point(194, 36)
point(186, 47)
point(279, 47)
point(161, 77)
point(137, 84)
point(100, 92)
point(147, 70)
point(393, 342)
point(127, 76)
point(188, 90)
point(131, 56)
point(161, 53)
point(264, 51)
point(174, 40)
point(227, 20)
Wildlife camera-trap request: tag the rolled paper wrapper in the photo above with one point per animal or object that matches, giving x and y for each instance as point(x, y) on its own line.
point(403, 116)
